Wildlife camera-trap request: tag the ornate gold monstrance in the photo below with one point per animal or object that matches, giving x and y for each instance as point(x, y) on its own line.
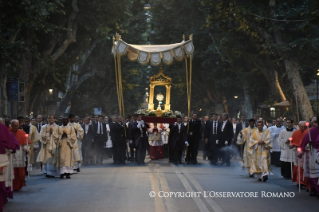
point(154, 55)
point(160, 80)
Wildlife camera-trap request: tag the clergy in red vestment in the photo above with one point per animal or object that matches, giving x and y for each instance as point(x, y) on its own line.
point(296, 141)
point(8, 145)
point(309, 147)
point(20, 157)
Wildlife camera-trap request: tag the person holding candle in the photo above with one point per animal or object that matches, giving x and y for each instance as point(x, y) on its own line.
point(8, 146)
point(296, 141)
point(19, 159)
point(309, 146)
point(287, 155)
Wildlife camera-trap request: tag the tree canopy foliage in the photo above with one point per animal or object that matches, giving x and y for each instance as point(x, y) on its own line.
point(261, 51)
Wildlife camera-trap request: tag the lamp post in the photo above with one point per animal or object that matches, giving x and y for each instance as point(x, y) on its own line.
point(147, 5)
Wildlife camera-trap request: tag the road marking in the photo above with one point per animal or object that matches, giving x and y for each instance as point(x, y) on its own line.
point(159, 204)
point(210, 201)
point(169, 202)
point(200, 204)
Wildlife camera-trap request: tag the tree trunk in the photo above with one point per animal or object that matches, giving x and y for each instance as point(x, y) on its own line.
point(272, 78)
point(248, 108)
point(299, 90)
point(25, 74)
point(224, 101)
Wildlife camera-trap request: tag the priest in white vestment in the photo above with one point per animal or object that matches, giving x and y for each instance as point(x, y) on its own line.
point(48, 150)
point(244, 139)
point(261, 144)
point(274, 135)
point(287, 155)
point(76, 150)
point(65, 138)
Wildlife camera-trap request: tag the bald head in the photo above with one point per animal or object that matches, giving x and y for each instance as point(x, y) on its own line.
point(2, 120)
point(302, 126)
point(15, 125)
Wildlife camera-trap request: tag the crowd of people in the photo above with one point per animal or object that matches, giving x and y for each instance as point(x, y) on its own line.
point(61, 146)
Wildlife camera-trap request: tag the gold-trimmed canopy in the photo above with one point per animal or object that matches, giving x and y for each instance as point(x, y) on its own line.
point(154, 54)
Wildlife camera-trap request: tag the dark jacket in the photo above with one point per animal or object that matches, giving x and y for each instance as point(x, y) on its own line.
point(118, 133)
point(136, 133)
point(177, 138)
point(209, 130)
point(90, 134)
point(194, 132)
point(227, 134)
point(104, 131)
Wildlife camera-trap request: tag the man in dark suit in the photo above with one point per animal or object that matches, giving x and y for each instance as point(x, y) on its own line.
point(87, 141)
point(100, 139)
point(178, 139)
point(212, 131)
point(194, 135)
point(241, 125)
point(39, 123)
point(205, 121)
point(225, 138)
point(118, 135)
point(139, 129)
point(130, 138)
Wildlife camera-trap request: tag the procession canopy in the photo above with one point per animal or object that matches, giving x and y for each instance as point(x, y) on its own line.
point(154, 54)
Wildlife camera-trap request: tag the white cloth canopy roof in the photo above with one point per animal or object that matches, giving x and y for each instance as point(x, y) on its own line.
point(154, 54)
point(282, 104)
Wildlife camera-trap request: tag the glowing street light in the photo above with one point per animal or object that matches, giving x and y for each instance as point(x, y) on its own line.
point(147, 5)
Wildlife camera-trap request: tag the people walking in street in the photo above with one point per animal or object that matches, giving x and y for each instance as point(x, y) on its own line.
point(261, 143)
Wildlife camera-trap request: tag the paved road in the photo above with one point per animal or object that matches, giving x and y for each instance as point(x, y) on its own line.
point(127, 188)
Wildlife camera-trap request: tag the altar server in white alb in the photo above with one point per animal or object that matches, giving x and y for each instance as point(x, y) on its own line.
point(261, 144)
point(76, 150)
point(34, 137)
point(274, 134)
point(243, 138)
point(287, 155)
point(65, 139)
point(165, 136)
point(48, 148)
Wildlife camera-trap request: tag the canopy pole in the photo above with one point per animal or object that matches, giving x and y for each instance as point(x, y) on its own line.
point(187, 88)
point(117, 83)
point(118, 78)
point(120, 85)
point(190, 79)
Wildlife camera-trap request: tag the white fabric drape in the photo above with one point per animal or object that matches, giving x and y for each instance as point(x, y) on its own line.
point(154, 54)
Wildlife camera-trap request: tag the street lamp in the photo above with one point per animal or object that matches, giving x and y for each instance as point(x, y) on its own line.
point(235, 97)
point(148, 40)
point(147, 5)
point(50, 90)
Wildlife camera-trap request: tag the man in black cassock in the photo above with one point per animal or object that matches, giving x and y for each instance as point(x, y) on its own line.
point(118, 139)
point(225, 137)
point(194, 135)
point(178, 139)
point(139, 129)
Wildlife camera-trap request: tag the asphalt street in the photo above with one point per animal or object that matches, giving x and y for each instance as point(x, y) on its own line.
point(173, 188)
